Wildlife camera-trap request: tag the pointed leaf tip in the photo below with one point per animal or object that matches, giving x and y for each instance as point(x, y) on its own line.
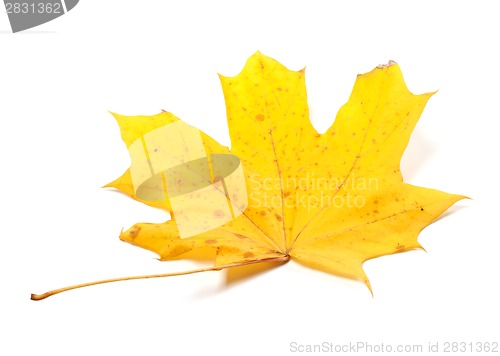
point(389, 64)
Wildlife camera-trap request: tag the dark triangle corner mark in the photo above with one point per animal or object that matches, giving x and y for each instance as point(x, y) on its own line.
point(37, 12)
point(70, 4)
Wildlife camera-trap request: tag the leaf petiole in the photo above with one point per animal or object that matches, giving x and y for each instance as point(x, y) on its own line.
point(37, 297)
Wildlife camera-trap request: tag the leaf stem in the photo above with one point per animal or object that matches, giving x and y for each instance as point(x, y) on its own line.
point(37, 297)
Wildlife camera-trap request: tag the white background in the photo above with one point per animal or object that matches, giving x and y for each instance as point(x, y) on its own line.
point(59, 145)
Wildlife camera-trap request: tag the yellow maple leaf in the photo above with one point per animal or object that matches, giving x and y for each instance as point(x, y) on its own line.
point(329, 201)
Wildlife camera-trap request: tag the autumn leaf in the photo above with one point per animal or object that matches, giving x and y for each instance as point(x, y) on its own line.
point(329, 201)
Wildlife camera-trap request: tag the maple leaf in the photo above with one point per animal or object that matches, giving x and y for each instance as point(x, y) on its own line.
point(329, 201)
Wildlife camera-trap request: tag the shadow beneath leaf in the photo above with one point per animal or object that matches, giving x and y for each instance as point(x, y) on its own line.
point(418, 152)
point(233, 276)
point(451, 210)
point(241, 273)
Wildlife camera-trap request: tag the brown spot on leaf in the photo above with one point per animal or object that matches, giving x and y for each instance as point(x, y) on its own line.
point(259, 117)
point(219, 213)
point(248, 255)
point(211, 241)
point(262, 213)
point(278, 217)
point(400, 247)
point(133, 232)
point(240, 236)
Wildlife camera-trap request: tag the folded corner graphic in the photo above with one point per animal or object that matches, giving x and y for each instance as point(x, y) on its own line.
point(205, 191)
point(25, 14)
